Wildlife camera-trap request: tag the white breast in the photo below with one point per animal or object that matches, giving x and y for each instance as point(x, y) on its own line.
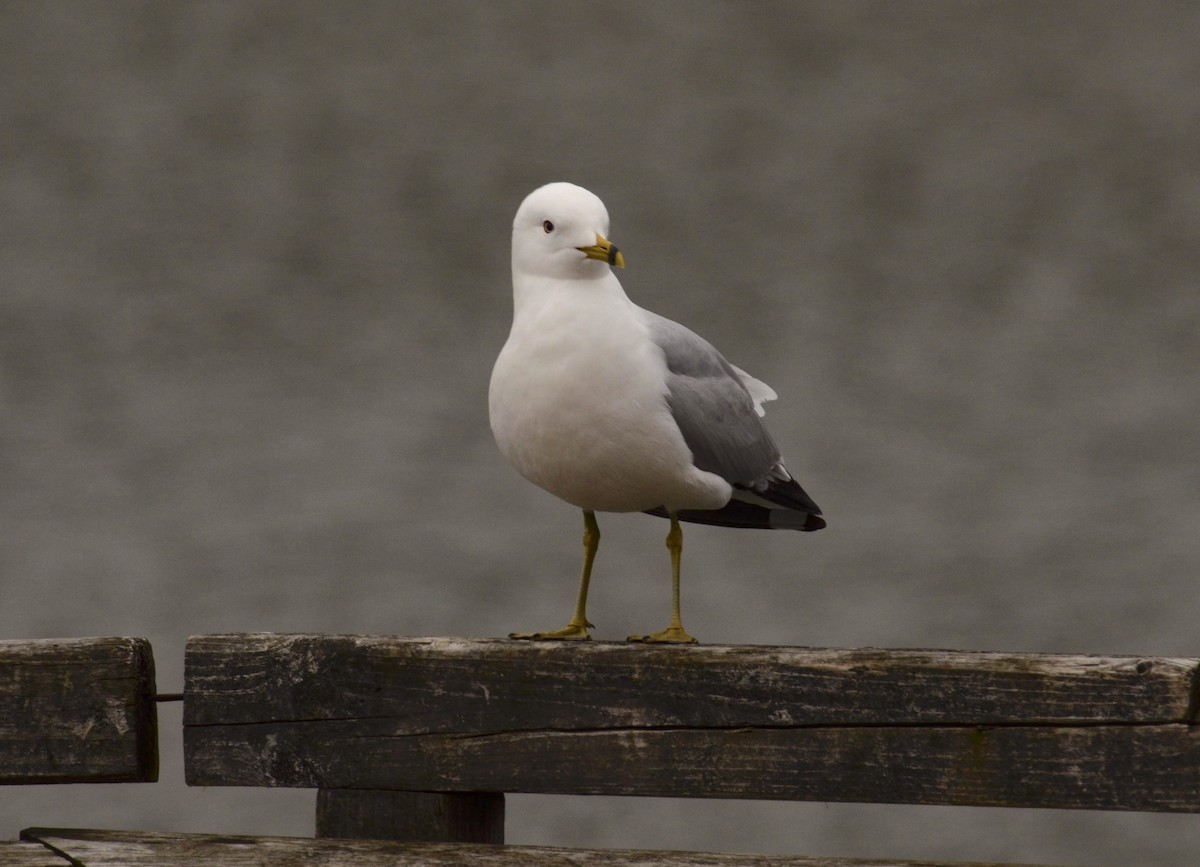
point(578, 405)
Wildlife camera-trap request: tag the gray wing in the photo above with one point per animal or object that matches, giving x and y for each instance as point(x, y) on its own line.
point(713, 408)
point(718, 415)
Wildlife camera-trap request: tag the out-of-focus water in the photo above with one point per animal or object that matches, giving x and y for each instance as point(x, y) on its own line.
point(254, 273)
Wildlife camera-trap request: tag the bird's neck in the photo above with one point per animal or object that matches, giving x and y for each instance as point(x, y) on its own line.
point(531, 292)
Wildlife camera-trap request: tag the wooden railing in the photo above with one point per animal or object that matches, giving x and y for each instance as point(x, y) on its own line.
point(417, 740)
point(77, 710)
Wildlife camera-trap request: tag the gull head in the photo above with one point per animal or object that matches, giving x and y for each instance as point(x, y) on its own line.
point(560, 232)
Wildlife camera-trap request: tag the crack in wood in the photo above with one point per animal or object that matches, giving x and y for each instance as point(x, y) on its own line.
point(1048, 724)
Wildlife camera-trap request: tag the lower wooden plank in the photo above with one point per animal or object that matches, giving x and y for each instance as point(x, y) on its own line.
point(77, 710)
point(139, 849)
point(23, 854)
point(1089, 767)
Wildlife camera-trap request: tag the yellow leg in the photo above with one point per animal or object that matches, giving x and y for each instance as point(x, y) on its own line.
point(674, 633)
point(577, 629)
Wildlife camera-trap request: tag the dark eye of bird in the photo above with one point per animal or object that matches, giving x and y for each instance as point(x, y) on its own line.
point(548, 226)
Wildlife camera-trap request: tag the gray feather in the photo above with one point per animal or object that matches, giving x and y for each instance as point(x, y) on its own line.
point(713, 408)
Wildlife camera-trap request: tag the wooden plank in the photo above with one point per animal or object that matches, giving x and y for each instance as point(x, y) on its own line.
point(428, 817)
point(477, 686)
point(779, 723)
point(1086, 767)
point(140, 849)
point(20, 854)
point(77, 711)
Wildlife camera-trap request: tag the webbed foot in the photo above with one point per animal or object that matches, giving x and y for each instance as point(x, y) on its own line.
point(570, 632)
point(670, 635)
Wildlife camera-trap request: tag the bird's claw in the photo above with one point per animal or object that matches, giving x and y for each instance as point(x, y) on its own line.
point(670, 635)
point(570, 632)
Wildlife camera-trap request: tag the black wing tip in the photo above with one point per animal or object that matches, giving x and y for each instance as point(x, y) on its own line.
point(736, 513)
point(813, 522)
point(787, 495)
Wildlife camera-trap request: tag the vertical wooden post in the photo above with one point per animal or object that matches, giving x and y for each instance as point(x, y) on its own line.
point(415, 817)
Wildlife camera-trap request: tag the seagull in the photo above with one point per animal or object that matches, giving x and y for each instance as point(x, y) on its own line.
point(613, 408)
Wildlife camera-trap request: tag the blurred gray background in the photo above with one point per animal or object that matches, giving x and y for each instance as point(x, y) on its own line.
point(254, 271)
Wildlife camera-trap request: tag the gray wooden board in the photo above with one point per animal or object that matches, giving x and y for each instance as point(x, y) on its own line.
point(77, 710)
point(134, 849)
point(19, 854)
point(479, 686)
point(731, 722)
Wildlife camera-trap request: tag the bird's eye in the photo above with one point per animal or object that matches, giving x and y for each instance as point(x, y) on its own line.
point(547, 226)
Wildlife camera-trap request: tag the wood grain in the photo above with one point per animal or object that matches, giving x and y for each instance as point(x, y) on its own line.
point(19, 854)
point(470, 685)
point(1102, 767)
point(134, 849)
point(77, 710)
point(730, 722)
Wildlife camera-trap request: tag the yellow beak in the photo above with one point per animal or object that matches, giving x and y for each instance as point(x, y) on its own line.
point(605, 251)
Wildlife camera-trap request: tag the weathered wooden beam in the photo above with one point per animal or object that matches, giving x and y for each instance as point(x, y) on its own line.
point(751, 722)
point(483, 685)
point(430, 817)
point(1102, 768)
point(21, 854)
point(77, 711)
point(124, 848)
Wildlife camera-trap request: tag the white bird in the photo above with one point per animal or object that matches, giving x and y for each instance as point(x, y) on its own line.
point(616, 409)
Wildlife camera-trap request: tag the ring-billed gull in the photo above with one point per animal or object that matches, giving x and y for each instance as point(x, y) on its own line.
point(616, 409)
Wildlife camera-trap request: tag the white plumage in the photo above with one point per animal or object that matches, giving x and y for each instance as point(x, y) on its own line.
point(613, 408)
